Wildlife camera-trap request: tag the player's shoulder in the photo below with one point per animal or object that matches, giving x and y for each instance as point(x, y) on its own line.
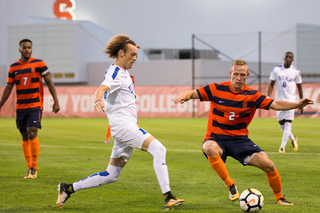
point(249, 90)
point(34, 60)
point(221, 84)
point(246, 87)
point(111, 69)
point(17, 63)
point(114, 71)
point(277, 67)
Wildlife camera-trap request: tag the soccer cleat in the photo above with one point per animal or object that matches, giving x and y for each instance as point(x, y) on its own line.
point(171, 203)
point(233, 192)
point(33, 173)
point(64, 192)
point(107, 141)
point(281, 150)
point(28, 174)
point(285, 202)
point(295, 144)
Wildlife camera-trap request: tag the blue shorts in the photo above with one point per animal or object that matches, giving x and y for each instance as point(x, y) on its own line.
point(28, 119)
point(237, 148)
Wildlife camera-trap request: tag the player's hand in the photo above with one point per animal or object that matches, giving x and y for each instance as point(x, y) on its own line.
point(304, 102)
point(180, 99)
point(99, 106)
point(56, 107)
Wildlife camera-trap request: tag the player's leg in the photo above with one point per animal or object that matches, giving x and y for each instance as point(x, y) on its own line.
point(286, 132)
point(120, 155)
point(21, 123)
point(158, 151)
point(291, 136)
point(213, 152)
point(100, 178)
point(34, 123)
point(288, 127)
point(26, 148)
point(262, 161)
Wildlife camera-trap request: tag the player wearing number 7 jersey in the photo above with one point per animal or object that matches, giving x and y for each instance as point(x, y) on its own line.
point(27, 74)
point(233, 105)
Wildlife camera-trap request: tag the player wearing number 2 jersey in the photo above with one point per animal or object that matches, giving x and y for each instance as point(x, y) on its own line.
point(116, 97)
point(27, 75)
point(286, 77)
point(233, 105)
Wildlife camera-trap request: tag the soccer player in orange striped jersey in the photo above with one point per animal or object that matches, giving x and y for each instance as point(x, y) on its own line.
point(108, 132)
point(233, 105)
point(27, 74)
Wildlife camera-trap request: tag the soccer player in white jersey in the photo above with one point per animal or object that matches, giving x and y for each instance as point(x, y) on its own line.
point(286, 77)
point(116, 97)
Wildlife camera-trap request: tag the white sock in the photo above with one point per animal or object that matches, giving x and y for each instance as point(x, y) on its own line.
point(286, 133)
point(281, 127)
point(158, 151)
point(110, 175)
point(291, 136)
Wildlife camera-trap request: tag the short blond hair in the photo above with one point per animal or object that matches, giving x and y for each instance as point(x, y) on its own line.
point(116, 43)
point(239, 62)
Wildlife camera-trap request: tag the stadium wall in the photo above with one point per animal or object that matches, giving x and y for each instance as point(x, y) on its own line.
point(152, 101)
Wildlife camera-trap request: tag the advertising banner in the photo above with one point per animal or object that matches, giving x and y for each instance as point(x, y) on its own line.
point(152, 102)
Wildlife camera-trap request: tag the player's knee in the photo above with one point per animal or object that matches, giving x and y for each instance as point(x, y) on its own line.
point(156, 149)
point(211, 148)
point(162, 150)
point(269, 167)
point(32, 134)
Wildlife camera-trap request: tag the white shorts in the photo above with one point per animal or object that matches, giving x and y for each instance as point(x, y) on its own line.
point(125, 139)
point(285, 115)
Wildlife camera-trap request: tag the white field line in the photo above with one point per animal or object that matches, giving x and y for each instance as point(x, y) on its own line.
point(171, 150)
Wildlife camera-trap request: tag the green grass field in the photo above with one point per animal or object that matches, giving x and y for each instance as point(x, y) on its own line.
point(74, 148)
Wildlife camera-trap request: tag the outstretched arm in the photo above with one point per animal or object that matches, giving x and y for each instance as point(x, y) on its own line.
point(285, 105)
point(186, 96)
point(98, 103)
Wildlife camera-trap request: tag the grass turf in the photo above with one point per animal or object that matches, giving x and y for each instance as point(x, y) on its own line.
point(74, 148)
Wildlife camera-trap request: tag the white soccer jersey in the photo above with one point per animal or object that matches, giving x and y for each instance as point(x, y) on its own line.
point(120, 99)
point(286, 80)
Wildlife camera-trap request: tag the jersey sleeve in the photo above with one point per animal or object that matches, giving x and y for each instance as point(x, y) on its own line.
point(206, 93)
point(262, 101)
point(10, 79)
point(298, 79)
point(112, 79)
point(273, 75)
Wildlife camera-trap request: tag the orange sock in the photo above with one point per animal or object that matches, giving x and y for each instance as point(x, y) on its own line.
point(108, 134)
point(218, 165)
point(35, 147)
point(274, 181)
point(26, 148)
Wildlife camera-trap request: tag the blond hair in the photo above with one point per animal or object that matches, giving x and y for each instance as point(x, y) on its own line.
point(239, 62)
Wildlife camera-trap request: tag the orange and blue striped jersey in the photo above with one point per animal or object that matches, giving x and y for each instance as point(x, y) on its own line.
point(230, 112)
point(27, 76)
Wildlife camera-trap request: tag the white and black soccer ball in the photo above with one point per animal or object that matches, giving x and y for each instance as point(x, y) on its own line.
point(251, 200)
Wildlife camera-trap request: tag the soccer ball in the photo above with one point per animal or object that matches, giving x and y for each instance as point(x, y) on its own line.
point(251, 200)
